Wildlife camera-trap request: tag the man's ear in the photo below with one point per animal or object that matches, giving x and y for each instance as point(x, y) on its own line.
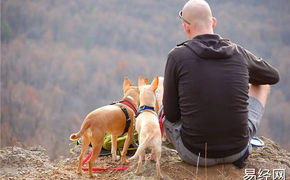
point(126, 84)
point(141, 81)
point(154, 83)
point(213, 22)
point(186, 28)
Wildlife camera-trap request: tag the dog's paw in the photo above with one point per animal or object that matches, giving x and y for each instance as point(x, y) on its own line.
point(160, 176)
point(124, 161)
point(116, 158)
point(137, 172)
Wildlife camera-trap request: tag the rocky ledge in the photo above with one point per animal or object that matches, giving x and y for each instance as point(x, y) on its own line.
point(268, 162)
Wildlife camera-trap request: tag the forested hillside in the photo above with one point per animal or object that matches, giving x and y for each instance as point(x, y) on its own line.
point(61, 59)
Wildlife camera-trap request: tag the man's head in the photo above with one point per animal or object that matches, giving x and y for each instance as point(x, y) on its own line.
point(197, 18)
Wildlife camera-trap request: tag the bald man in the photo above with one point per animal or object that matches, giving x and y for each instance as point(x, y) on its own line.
point(215, 92)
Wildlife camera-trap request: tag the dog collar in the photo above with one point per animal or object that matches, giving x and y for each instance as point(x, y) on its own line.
point(130, 105)
point(142, 108)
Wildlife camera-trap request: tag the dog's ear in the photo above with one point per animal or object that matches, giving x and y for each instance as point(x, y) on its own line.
point(126, 84)
point(160, 79)
point(157, 107)
point(154, 83)
point(141, 81)
point(146, 80)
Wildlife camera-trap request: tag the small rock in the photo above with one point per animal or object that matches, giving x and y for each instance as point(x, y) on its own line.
point(35, 149)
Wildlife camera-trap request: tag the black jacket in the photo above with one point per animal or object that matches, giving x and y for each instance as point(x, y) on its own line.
point(206, 87)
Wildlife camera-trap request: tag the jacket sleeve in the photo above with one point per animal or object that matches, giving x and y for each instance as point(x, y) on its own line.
point(170, 96)
point(260, 71)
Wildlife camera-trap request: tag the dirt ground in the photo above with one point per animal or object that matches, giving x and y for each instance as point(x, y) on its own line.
point(33, 163)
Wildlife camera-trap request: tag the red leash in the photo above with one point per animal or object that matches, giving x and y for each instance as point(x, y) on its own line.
point(160, 123)
point(102, 169)
point(87, 158)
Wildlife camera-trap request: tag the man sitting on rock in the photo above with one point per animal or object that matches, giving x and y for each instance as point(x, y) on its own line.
point(215, 92)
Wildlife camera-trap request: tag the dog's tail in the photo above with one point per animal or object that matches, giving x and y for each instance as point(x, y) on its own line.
point(79, 134)
point(141, 147)
point(74, 136)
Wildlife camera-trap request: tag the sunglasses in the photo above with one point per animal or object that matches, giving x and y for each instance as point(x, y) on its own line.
point(184, 20)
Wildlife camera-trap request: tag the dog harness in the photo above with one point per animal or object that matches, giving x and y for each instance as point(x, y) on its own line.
point(130, 105)
point(128, 120)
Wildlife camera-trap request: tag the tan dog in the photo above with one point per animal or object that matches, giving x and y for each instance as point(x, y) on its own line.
point(147, 125)
point(109, 119)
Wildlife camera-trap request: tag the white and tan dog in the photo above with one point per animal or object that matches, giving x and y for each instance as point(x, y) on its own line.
point(147, 125)
point(109, 119)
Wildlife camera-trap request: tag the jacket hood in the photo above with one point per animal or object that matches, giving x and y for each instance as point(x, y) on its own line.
point(211, 46)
